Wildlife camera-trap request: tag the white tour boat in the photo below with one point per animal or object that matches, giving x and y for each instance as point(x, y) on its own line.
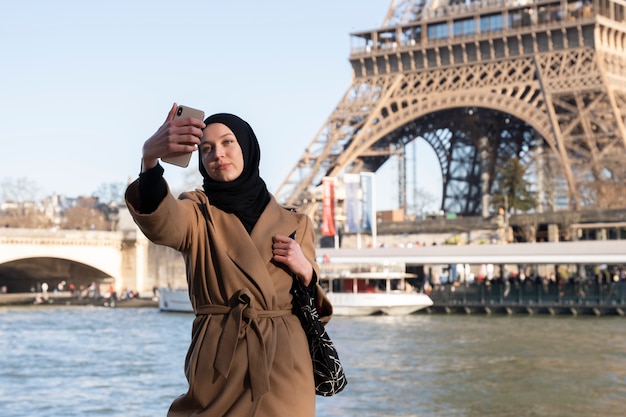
point(174, 300)
point(368, 293)
point(351, 292)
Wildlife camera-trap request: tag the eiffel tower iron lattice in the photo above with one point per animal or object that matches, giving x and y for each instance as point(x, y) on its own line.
point(482, 82)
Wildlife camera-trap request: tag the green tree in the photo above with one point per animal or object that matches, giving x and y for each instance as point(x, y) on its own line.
point(512, 189)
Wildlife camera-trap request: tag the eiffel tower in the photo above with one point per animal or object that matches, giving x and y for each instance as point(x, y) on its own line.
point(543, 81)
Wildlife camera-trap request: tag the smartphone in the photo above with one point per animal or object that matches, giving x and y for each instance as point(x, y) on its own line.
point(182, 160)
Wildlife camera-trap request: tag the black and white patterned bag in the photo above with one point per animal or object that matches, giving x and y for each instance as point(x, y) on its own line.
point(328, 373)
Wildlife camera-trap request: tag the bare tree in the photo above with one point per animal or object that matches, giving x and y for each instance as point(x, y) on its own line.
point(422, 201)
point(19, 190)
point(192, 180)
point(85, 215)
point(20, 197)
point(112, 192)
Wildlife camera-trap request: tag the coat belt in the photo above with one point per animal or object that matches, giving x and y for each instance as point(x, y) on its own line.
point(234, 324)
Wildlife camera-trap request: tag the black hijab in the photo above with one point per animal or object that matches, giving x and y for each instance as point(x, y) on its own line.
point(246, 196)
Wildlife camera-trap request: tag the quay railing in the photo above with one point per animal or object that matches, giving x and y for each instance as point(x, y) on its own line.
point(571, 297)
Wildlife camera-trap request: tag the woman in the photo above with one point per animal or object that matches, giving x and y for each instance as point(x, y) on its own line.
point(248, 354)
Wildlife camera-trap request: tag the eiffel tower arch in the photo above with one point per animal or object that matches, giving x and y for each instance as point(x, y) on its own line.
point(482, 82)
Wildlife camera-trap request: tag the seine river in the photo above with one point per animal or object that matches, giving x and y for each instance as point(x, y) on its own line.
point(88, 361)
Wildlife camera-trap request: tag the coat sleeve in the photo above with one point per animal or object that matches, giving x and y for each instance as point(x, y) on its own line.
point(173, 223)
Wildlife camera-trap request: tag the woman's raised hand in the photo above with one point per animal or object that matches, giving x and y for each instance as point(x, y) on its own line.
point(175, 136)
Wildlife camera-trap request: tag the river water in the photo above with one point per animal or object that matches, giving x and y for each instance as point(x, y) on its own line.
point(94, 361)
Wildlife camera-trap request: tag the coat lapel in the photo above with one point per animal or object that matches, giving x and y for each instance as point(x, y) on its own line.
point(252, 253)
point(275, 219)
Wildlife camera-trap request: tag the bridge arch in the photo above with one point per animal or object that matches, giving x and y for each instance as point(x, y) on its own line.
point(28, 274)
point(70, 255)
point(124, 258)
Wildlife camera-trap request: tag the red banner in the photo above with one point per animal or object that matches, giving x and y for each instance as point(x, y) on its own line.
point(328, 207)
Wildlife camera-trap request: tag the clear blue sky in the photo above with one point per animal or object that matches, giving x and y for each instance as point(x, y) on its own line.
point(85, 83)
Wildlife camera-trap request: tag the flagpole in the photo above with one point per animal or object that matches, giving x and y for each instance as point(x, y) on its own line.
point(374, 216)
point(335, 213)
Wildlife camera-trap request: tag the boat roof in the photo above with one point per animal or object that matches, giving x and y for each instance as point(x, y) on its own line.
point(578, 252)
point(343, 274)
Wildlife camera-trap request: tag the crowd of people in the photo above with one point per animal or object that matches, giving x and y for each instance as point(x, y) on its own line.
point(527, 282)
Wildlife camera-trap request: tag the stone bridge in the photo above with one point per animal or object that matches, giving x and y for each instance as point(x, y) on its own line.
point(124, 258)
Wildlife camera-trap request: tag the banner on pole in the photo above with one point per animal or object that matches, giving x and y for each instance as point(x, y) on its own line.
point(328, 207)
point(352, 186)
point(367, 188)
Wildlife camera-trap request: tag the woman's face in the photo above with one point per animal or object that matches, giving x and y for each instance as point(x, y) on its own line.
point(221, 154)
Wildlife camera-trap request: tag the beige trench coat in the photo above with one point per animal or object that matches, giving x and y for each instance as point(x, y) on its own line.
point(248, 354)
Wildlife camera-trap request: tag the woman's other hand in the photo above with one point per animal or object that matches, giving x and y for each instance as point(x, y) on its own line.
point(287, 251)
point(176, 135)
